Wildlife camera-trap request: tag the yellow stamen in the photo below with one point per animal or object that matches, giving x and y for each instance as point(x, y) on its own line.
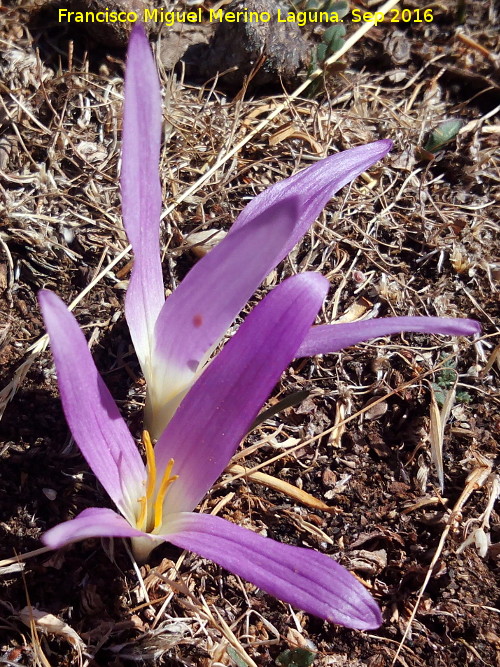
point(149, 500)
point(160, 496)
point(150, 481)
point(150, 464)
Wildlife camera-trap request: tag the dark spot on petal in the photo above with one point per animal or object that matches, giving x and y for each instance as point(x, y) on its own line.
point(192, 364)
point(197, 321)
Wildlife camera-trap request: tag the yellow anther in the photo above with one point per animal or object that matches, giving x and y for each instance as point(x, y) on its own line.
point(160, 496)
point(150, 464)
point(145, 500)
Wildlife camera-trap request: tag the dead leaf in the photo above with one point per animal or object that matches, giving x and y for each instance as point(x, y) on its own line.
point(368, 562)
point(283, 487)
point(438, 424)
point(91, 151)
point(355, 311)
point(292, 132)
point(202, 242)
point(50, 624)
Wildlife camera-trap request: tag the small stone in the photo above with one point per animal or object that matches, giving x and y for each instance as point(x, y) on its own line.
point(51, 494)
point(110, 34)
point(272, 52)
point(329, 478)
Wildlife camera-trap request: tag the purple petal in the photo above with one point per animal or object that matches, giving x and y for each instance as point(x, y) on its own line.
point(92, 522)
point(92, 415)
point(327, 338)
point(302, 577)
point(198, 313)
point(141, 191)
point(216, 413)
point(203, 306)
point(314, 187)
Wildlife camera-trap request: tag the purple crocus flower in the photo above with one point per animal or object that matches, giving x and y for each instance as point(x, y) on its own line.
point(156, 500)
point(200, 417)
point(174, 339)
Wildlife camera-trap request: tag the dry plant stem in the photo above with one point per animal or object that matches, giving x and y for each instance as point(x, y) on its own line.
point(425, 502)
point(39, 346)
point(493, 358)
point(138, 574)
point(21, 557)
point(200, 607)
point(40, 658)
point(438, 421)
point(468, 41)
point(166, 599)
point(474, 481)
point(282, 487)
point(230, 636)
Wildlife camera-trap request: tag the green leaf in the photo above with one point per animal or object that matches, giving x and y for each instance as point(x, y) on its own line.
point(296, 657)
point(446, 377)
point(321, 53)
point(341, 8)
point(289, 401)
point(443, 134)
point(439, 394)
point(463, 397)
point(461, 12)
point(313, 5)
point(235, 656)
point(333, 38)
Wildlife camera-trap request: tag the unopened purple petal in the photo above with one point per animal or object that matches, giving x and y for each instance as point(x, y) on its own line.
point(302, 577)
point(92, 522)
point(326, 338)
point(92, 415)
point(216, 413)
point(141, 191)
